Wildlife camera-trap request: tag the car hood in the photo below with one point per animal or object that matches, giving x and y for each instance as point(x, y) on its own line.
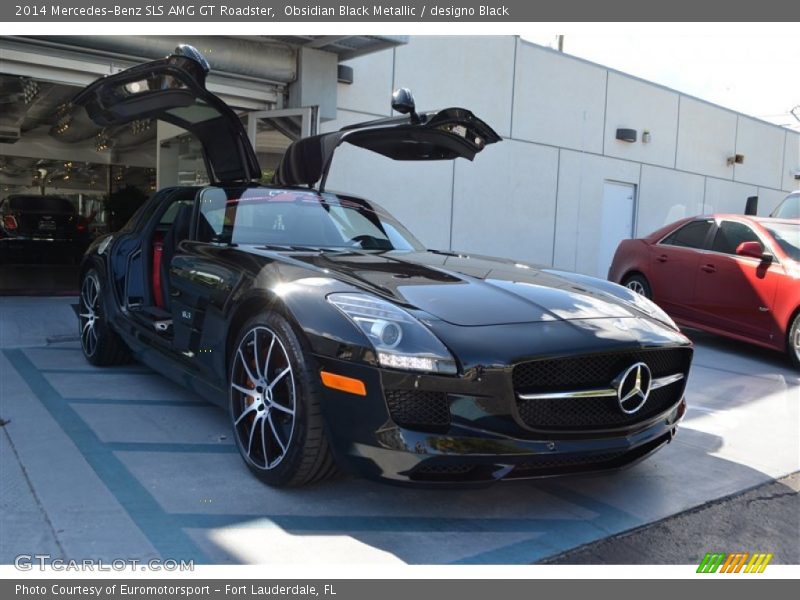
point(470, 291)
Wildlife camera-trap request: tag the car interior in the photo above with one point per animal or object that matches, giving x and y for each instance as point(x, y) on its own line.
point(147, 290)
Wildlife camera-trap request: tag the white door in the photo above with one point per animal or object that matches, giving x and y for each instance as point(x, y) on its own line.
point(616, 221)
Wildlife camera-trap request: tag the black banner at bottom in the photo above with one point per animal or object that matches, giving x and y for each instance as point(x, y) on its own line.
point(374, 589)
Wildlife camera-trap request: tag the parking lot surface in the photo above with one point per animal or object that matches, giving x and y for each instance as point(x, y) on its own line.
point(121, 463)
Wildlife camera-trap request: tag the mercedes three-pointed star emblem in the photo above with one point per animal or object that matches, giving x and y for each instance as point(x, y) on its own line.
point(633, 387)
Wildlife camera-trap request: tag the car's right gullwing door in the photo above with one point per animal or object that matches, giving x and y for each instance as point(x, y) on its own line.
point(437, 135)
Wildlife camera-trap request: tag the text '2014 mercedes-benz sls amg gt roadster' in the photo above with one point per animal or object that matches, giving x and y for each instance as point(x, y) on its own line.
point(335, 339)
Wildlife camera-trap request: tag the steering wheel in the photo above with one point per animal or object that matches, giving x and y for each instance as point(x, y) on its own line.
point(369, 242)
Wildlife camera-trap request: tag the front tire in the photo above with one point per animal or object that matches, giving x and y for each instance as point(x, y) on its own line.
point(101, 346)
point(639, 284)
point(793, 342)
point(274, 405)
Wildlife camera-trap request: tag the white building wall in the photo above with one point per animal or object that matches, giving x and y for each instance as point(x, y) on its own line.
point(706, 138)
point(762, 146)
point(634, 104)
point(372, 85)
point(515, 205)
point(580, 191)
point(791, 162)
point(726, 196)
point(557, 100)
point(666, 195)
point(536, 196)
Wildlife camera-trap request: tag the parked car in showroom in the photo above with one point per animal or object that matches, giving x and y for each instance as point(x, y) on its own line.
point(333, 337)
point(35, 224)
point(731, 275)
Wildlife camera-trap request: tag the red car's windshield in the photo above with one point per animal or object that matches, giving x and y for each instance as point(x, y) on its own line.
point(787, 236)
point(298, 218)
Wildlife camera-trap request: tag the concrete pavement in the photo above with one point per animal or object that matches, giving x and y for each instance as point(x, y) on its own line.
point(764, 519)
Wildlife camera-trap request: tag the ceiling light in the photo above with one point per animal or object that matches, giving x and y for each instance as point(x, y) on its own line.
point(30, 89)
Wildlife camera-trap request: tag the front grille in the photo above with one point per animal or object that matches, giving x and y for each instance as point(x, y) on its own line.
point(444, 472)
point(537, 465)
point(594, 371)
point(416, 409)
point(546, 465)
point(556, 461)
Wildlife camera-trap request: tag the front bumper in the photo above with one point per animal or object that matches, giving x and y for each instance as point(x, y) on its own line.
point(29, 246)
point(482, 443)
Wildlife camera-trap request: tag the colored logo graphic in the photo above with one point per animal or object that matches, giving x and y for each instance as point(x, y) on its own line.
point(738, 562)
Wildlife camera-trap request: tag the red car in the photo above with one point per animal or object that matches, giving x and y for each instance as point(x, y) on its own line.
point(728, 274)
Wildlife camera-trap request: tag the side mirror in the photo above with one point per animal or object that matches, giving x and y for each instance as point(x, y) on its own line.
point(193, 53)
point(403, 102)
point(753, 250)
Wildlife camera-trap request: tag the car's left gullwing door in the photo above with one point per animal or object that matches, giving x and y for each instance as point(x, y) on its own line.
point(173, 89)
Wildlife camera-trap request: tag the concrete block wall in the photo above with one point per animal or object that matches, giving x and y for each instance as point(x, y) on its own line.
point(535, 196)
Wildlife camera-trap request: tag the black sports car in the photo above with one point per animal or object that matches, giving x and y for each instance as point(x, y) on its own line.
point(335, 338)
point(32, 224)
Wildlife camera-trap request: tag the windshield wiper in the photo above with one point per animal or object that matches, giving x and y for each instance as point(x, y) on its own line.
point(295, 248)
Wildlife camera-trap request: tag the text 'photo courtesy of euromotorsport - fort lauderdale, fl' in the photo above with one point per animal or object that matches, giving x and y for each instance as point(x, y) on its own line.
point(184, 590)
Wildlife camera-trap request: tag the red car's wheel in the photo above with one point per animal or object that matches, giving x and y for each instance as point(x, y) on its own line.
point(793, 342)
point(639, 284)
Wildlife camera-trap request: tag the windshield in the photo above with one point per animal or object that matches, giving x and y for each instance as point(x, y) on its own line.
point(787, 236)
point(298, 218)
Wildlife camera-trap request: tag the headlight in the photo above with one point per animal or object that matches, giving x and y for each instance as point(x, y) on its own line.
point(652, 309)
point(400, 340)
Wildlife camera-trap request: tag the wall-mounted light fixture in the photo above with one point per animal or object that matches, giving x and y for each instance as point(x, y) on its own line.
point(646, 137)
point(344, 74)
point(735, 159)
point(626, 135)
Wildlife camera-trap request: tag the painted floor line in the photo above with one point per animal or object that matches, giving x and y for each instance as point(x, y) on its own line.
point(138, 402)
point(360, 523)
point(97, 371)
point(172, 447)
point(158, 526)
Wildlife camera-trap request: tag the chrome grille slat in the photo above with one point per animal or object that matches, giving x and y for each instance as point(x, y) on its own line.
point(556, 394)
